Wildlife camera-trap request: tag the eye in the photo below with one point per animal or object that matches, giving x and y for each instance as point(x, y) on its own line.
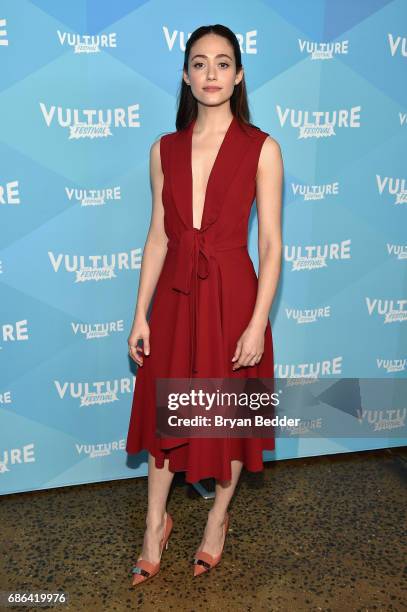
point(197, 64)
point(225, 64)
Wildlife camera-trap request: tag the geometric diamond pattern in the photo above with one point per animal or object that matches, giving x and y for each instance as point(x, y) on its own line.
point(75, 210)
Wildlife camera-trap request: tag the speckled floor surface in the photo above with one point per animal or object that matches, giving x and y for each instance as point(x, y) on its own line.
point(322, 533)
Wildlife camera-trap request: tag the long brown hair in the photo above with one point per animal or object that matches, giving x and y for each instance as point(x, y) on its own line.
point(187, 104)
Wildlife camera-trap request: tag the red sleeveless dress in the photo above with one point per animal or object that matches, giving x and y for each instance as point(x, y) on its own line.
point(204, 300)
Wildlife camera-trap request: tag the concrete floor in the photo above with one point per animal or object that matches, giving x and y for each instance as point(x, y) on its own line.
point(322, 533)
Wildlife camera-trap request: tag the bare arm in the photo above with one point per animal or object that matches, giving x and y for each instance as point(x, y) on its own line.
point(269, 184)
point(155, 250)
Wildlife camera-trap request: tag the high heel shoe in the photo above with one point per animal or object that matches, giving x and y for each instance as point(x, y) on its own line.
point(203, 561)
point(143, 570)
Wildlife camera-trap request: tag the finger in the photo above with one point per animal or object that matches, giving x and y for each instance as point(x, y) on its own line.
point(242, 358)
point(134, 355)
point(254, 361)
point(135, 358)
point(133, 340)
point(237, 351)
point(238, 363)
point(139, 355)
point(246, 358)
point(146, 346)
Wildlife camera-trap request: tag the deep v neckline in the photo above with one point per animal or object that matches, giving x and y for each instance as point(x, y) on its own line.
point(211, 173)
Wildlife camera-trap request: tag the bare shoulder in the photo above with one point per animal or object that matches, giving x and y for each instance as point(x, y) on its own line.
point(270, 155)
point(271, 146)
point(159, 146)
point(157, 153)
point(155, 158)
point(155, 148)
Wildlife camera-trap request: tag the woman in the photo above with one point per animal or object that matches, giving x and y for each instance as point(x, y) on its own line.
point(210, 312)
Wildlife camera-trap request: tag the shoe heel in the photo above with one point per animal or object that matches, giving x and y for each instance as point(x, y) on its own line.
point(147, 570)
point(203, 562)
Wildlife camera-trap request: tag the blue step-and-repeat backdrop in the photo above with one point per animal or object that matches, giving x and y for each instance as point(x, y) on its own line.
point(326, 78)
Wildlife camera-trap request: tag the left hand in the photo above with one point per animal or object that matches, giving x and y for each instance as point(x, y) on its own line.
point(249, 348)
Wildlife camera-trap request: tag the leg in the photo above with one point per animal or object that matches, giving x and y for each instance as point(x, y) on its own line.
point(159, 483)
point(213, 538)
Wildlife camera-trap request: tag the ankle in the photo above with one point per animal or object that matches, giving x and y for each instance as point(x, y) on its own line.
point(155, 519)
point(218, 515)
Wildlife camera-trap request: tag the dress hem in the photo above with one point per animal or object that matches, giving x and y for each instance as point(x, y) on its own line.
point(159, 464)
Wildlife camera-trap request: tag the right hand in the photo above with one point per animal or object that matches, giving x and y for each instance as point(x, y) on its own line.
point(140, 331)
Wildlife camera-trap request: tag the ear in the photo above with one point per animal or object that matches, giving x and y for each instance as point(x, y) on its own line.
point(239, 76)
point(185, 77)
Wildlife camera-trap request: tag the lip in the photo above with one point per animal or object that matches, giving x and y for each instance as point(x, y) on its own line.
point(212, 88)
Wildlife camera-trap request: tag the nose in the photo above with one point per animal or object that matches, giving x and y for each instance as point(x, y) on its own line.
point(211, 74)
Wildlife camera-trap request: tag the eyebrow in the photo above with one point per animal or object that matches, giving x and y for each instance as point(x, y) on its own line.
point(205, 56)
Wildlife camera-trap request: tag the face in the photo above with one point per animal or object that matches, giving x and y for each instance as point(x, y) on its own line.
point(212, 70)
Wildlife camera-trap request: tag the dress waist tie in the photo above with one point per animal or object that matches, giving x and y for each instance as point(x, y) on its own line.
point(193, 254)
